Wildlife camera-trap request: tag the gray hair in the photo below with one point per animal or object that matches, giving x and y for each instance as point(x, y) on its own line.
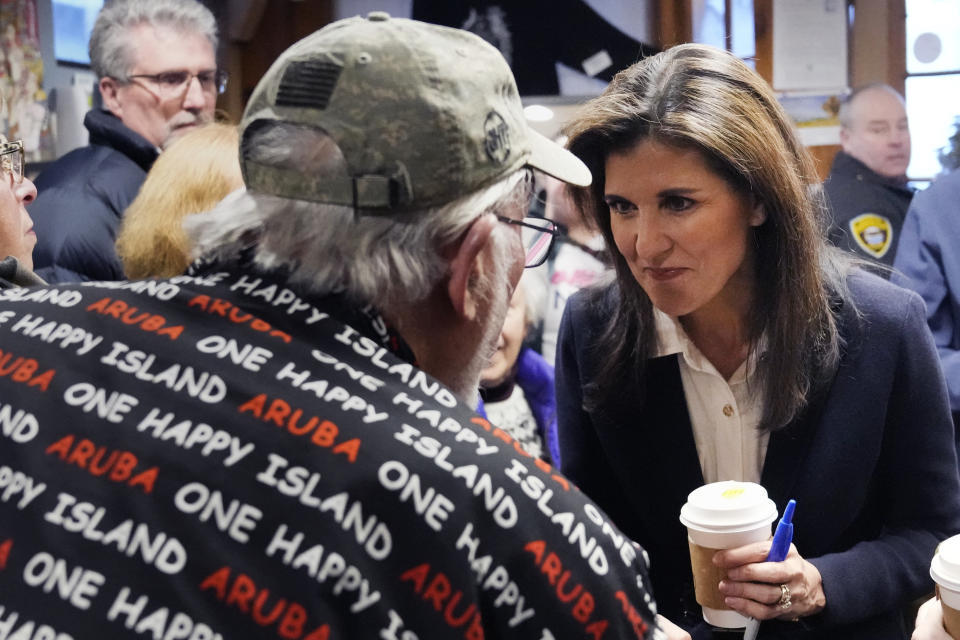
point(846, 105)
point(327, 248)
point(111, 48)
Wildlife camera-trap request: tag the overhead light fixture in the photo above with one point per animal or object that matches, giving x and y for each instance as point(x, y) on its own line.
point(538, 113)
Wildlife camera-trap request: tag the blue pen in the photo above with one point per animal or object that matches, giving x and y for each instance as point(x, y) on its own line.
point(782, 538)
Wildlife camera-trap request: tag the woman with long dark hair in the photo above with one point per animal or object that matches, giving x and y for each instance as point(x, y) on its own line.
point(733, 344)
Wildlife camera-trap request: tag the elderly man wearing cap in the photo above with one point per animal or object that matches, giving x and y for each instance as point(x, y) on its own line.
point(281, 443)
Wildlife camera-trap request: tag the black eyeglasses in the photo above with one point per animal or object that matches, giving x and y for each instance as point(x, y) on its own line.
point(172, 84)
point(537, 235)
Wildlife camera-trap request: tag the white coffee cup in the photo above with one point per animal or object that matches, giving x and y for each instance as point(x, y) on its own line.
point(945, 571)
point(723, 515)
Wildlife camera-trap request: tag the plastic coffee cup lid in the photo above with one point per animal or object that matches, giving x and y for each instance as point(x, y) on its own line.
point(728, 506)
point(945, 566)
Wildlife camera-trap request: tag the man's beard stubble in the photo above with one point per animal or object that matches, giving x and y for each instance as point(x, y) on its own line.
point(174, 130)
point(495, 292)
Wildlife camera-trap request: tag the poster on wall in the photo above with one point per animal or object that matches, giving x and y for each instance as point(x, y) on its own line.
point(809, 44)
point(23, 114)
point(815, 114)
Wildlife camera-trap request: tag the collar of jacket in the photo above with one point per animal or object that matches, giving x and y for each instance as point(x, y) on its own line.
point(17, 275)
point(846, 164)
point(108, 130)
point(364, 318)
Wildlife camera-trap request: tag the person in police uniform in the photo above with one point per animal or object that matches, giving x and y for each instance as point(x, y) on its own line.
point(867, 187)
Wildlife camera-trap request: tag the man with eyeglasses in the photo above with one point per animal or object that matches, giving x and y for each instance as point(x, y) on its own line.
point(282, 442)
point(17, 237)
point(158, 77)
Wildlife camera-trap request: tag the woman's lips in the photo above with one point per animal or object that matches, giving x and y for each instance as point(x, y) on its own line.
point(663, 274)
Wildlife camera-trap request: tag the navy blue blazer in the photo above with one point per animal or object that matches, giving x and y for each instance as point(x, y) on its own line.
point(871, 463)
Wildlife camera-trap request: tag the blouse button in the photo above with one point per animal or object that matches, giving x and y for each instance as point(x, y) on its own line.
point(727, 410)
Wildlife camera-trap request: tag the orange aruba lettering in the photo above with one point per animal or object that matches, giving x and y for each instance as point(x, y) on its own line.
point(583, 606)
point(322, 433)
point(5, 548)
point(244, 595)
point(23, 369)
point(224, 309)
point(437, 592)
point(118, 466)
point(127, 314)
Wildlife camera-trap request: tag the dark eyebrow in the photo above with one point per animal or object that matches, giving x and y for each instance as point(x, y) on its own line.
point(613, 200)
point(678, 191)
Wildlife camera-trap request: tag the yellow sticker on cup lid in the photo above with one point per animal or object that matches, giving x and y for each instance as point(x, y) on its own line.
point(734, 492)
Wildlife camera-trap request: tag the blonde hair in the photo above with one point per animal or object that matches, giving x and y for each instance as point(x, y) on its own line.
point(191, 176)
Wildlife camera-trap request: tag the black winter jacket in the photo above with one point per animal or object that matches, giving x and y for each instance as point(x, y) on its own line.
point(81, 199)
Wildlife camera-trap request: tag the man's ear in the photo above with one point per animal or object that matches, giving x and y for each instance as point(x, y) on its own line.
point(108, 91)
point(466, 266)
point(844, 138)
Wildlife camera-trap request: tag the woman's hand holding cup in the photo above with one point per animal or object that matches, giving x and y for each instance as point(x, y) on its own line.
point(764, 590)
point(930, 622)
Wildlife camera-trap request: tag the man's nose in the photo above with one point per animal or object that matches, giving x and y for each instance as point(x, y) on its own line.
point(898, 136)
point(26, 191)
point(195, 98)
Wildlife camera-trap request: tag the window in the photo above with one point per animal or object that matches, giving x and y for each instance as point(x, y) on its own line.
point(72, 22)
point(933, 81)
point(727, 24)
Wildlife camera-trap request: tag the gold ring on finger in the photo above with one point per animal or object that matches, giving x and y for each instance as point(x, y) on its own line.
point(784, 602)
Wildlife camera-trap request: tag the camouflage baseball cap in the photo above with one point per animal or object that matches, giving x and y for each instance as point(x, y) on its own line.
point(423, 114)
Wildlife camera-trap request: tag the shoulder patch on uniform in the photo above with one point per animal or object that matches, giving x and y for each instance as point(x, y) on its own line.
point(873, 233)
